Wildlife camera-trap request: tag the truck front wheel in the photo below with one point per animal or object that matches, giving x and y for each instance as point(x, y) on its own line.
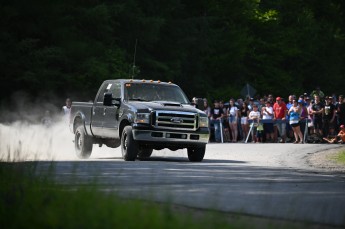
point(129, 147)
point(196, 154)
point(82, 143)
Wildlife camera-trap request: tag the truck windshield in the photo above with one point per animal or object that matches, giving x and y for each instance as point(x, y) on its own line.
point(154, 92)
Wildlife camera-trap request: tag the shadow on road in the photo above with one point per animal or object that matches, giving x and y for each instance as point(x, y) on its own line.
point(175, 159)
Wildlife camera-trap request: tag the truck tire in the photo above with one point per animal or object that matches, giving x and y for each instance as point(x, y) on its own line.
point(196, 154)
point(82, 143)
point(129, 147)
point(144, 153)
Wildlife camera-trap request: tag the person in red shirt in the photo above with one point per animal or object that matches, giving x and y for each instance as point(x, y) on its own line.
point(280, 112)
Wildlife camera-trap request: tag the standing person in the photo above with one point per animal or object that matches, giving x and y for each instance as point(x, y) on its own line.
point(304, 115)
point(239, 126)
point(259, 133)
point(244, 120)
point(294, 117)
point(317, 111)
point(67, 110)
point(270, 98)
point(254, 115)
point(280, 112)
point(267, 114)
point(262, 104)
point(340, 109)
point(310, 116)
point(216, 118)
point(328, 117)
point(289, 104)
point(207, 108)
point(225, 124)
point(233, 117)
point(250, 105)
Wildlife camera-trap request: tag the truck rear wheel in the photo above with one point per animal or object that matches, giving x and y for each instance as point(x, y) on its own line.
point(82, 143)
point(144, 153)
point(196, 154)
point(129, 147)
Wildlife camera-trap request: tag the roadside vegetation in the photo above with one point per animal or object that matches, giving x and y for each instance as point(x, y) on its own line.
point(63, 47)
point(341, 158)
point(31, 200)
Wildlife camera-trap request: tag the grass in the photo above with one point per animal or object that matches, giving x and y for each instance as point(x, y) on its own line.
point(28, 200)
point(340, 158)
point(31, 200)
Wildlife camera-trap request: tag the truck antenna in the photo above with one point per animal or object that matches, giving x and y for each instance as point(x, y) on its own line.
point(135, 53)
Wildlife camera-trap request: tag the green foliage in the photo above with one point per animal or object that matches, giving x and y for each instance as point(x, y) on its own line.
point(278, 46)
point(341, 157)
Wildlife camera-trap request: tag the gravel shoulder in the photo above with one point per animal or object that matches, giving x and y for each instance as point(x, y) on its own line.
point(325, 160)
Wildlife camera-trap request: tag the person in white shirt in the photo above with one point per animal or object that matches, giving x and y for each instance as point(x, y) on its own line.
point(67, 110)
point(267, 114)
point(254, 116)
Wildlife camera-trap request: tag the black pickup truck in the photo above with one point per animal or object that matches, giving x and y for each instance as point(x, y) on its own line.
point(139, 116)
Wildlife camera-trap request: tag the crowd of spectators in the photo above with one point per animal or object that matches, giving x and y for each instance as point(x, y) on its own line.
point(273, 119)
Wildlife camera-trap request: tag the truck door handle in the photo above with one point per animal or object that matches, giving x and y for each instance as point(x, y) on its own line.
point(105, 109)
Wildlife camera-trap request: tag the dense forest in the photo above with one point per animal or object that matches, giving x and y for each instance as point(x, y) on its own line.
point(211, 48)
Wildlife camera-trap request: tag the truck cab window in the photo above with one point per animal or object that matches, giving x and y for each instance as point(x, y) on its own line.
point(114, 88)
point(100, 96)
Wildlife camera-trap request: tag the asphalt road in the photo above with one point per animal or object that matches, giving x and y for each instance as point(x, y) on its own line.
point(266, 180)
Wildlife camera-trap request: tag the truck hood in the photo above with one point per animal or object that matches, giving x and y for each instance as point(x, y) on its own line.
point(163, 105)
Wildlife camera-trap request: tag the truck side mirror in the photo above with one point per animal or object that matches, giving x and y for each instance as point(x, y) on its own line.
point(108, 100)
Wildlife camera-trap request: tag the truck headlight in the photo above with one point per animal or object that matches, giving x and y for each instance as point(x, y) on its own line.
point(142, 118)
point(203, 122)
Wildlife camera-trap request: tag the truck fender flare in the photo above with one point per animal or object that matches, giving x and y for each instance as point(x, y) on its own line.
point(124, 122)
point(79, 118)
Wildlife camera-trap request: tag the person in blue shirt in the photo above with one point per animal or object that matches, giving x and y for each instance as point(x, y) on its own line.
point(294, 119)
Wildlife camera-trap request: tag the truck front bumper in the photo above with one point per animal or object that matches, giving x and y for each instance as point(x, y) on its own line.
point(164, 136)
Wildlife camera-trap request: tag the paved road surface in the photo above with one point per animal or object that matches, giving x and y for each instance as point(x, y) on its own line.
point(270, 180)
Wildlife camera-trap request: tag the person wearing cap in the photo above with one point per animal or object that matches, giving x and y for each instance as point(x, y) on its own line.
point(328, 117)
point(280, 112)
point(317, 111)
point(340, 137)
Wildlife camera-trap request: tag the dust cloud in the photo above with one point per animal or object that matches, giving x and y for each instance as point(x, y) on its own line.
point(34, 129)
point(24, 141)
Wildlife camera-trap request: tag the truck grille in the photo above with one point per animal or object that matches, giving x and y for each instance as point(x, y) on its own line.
point(175, 120)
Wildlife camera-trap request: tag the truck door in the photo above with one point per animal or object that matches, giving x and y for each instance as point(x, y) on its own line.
point(98, 112)
point(111, 114)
